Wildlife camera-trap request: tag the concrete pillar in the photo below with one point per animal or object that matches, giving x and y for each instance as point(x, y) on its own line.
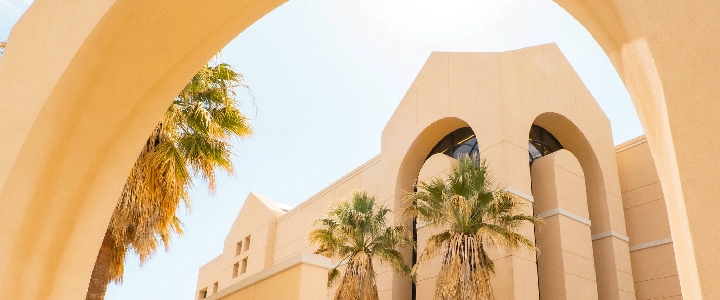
point(566, 264)
point(513, 270)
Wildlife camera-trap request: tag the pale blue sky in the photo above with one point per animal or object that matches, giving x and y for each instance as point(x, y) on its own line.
point(327, 75)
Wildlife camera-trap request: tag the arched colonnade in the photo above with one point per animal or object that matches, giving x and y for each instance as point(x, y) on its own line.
point(82, 82)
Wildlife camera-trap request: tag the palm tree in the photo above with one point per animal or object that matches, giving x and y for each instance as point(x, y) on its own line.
point(356, 232)
point(474, 212)
point(192, 140)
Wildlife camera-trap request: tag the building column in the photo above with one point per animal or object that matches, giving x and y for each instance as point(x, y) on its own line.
point(515, 272)
point(566, 264)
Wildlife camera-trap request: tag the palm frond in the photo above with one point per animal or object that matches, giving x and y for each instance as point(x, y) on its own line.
point(435, 244)
point(191, 141)
point(332, 276)
point(475, 211)
point(356, 232)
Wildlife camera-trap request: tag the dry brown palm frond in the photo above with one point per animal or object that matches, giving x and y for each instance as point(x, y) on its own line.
point(356, 232)
point(435, 244)
point(192, 140)
point(358, 282)
point(474, 212)
point(466, 270)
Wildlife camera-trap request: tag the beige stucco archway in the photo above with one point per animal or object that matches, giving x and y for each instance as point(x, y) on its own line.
point(604, 203)
point(411, 163)
point(415, 156)
point(82, 82)
point(500, 95)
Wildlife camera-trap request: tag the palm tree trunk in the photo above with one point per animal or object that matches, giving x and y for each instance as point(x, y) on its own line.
point(358, 283)
point(101, 272)
point(465, 272)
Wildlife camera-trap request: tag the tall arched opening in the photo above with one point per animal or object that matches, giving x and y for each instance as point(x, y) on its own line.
point(610, 248)
point(102, 72)
point(407, 175)
point(439, 161)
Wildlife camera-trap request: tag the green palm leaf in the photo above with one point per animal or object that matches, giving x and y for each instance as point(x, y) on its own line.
point(356, 232)
point(474, 212)
point(191, 141)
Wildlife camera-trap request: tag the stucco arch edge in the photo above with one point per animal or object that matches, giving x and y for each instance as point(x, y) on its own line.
point(599, 168)
point(102, 74)
point(414, 154)
point(642, 40)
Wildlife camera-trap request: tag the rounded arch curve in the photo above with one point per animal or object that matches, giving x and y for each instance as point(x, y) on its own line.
point(102, 75)
point(83, 83)
point(407, 173)
point(574, 140)
point(604, 208)
point(416, 155)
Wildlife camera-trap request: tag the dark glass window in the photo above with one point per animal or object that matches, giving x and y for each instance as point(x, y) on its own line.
point(461, 141)
point(541, 143)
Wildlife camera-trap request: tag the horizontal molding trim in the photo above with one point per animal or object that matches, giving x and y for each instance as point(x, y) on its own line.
point(610, 233)
point(520, 194)
point(566, 213)
point(638, 142)
point(651, 244)
point(300, 258)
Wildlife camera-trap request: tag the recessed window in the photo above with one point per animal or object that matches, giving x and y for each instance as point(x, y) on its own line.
point(215, 287)
point(236, 268)
point(202, 294)
point(541, 142)
point(246, 244)
point(460, 141)
point(243, 268)
point(238, 248)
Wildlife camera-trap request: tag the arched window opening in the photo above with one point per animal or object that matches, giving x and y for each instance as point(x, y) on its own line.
point(460, 141)
point(541, 143)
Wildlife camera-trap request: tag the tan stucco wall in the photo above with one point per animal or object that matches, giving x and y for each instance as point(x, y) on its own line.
point(301, 277)
point(255, 223)
point(82, 82)
point(499, 95)
point(651, 250)
point(301, 282)
point(294, 226)
point(289, 230)
point(667, 60)
point(436, 165)
point(566, 264)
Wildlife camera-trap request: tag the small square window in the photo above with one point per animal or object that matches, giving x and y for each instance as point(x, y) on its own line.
point(244, 266)
point(202, 294)
point(236, 268)
point(238, 248)
point(246, 244)
point(215, 287)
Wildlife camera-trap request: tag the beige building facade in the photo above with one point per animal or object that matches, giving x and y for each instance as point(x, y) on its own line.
point(606, 233)
point(83, 81)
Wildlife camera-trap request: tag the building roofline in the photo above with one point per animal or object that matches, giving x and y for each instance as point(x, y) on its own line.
point(298, 259)
point(330, 187)
point(630, 144)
